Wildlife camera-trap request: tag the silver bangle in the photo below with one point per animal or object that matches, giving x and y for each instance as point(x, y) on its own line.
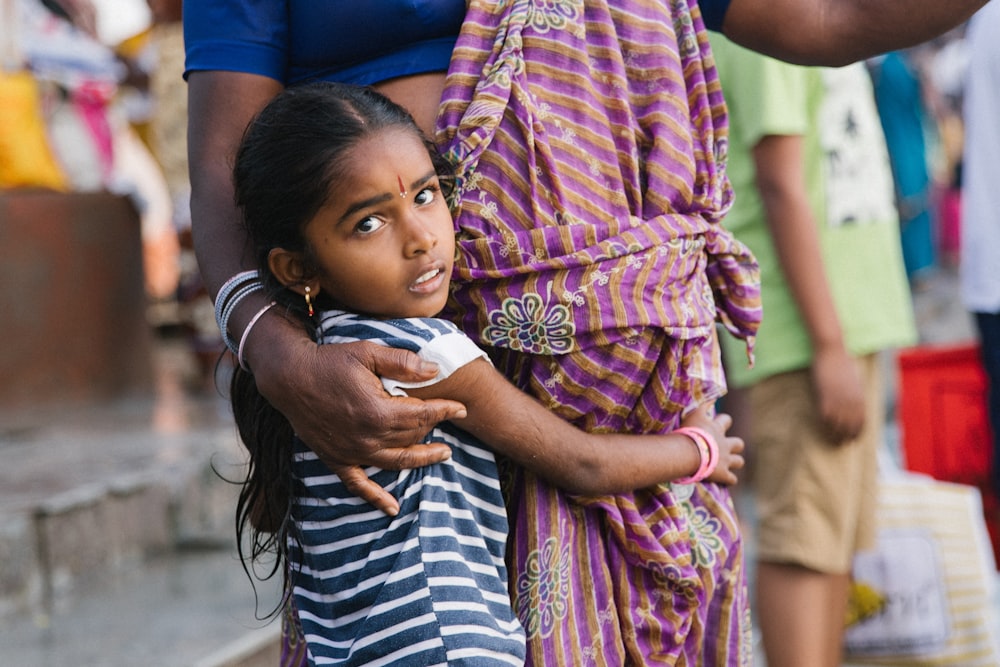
point(230, 308)
point(229, 286)
point(246, 333)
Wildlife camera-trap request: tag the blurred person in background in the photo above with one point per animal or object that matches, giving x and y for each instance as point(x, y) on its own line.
point(168, 137)
point(78, 78)
point(908, 125)
point(979, 265)
point(814, 202)
point(154, 97)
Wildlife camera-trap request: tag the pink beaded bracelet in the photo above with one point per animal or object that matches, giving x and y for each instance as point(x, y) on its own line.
point(707, 447)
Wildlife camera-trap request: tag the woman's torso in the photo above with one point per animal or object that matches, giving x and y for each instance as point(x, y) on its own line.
point(370, 41)
point(294, 41)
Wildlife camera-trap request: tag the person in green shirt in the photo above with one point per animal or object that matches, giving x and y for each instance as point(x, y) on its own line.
point(814, 202)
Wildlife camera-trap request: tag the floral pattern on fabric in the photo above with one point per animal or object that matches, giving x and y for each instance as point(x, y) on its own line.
point(705, 530)
point(528, 325)
point(543, 589)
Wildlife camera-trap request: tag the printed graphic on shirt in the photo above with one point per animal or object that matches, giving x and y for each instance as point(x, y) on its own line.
point(859, 178)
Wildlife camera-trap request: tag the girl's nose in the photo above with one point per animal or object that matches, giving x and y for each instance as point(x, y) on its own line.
point(419, 237)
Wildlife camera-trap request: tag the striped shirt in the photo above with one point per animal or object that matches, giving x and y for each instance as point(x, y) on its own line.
point(428, 586)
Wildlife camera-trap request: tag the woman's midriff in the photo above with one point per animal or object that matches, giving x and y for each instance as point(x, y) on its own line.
point(419, 94)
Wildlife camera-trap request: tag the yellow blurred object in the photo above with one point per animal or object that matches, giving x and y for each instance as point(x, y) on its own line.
point(26, 158)
point(864, 602)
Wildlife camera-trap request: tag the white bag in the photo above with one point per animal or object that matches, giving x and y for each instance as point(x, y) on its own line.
point(934, 570)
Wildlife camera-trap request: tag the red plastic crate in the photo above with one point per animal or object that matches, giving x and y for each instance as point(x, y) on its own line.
point(944, 423)
point(942, 413)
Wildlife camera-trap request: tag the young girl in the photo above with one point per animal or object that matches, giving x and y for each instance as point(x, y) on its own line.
point(344, 200)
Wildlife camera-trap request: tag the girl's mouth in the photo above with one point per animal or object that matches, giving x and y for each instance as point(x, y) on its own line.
point(427, 276)
point(430, 281)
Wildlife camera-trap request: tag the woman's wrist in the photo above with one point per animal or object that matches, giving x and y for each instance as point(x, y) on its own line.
point(275, 335)
point(248, 330)
point(228, 300)
point(708, 450)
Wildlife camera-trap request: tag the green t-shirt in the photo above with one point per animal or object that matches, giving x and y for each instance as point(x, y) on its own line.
point(850, 191)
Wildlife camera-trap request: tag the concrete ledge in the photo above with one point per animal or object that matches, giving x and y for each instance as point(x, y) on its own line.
point(98, 529)
point(90, 509)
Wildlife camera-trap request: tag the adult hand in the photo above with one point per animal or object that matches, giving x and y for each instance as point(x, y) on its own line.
point(332, 396)
point(840, 393)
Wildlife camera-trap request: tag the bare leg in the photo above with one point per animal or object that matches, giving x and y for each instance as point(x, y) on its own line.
point(801, 615)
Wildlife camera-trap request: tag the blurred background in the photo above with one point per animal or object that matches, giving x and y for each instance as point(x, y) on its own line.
point(116, 443)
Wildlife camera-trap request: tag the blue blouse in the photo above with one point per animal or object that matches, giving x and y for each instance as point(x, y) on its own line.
point(353, 41)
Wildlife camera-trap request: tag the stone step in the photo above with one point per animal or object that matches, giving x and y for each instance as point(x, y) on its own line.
point(77, 506)
point(117, 540)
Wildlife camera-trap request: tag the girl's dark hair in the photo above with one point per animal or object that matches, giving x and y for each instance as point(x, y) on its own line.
point(290, 156)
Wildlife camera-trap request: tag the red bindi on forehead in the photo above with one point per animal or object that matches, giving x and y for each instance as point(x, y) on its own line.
point(402, 188)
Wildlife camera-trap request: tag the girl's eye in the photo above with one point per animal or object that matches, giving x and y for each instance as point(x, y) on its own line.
point(427, 195)
point(368, 225)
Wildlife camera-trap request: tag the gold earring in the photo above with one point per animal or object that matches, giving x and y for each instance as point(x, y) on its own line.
point(309, 301)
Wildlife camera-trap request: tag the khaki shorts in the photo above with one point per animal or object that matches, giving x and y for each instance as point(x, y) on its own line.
point(814, 501)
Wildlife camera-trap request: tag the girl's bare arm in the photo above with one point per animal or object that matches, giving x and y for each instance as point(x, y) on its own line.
point(519, 427)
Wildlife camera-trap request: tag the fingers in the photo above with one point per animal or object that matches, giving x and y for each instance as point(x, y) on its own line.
point(726, 474)
point(735, 460)
point(735, 463)
point(358, 483)
point(414, 416)
point(397, 364)
point(724, 420)
point(731, 460)
point(705, 413)
point(358, 420)
point(411, 418)
point(357, 423)
point(414, 456)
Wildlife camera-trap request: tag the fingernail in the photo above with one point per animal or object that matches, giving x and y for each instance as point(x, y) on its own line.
point(428, 366)
point(462, 414)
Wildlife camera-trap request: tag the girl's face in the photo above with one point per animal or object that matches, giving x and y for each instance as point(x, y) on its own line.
point(384, 244)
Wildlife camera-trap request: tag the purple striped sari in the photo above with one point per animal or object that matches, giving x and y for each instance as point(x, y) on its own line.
point(591, 146)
